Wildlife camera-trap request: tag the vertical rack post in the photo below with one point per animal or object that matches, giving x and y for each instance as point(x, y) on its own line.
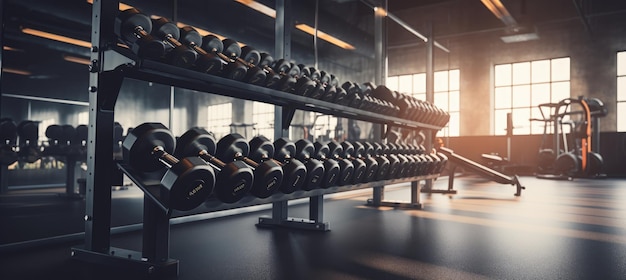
point(4, 181)
point(430, 90)
point(380, 57)
point(100, 135)
point(1, 47)
point(282, 49)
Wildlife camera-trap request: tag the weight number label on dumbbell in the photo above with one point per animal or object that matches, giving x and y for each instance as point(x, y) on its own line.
point(239, 187)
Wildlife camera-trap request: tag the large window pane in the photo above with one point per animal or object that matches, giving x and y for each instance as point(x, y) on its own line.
point(263, 116)
point(621, 116)
point(503, 75)
point(419, 83)
point(534, 83)
point(441, 100)
point(536, 127)
point(392, 82)
point(441, 81)
point(540, 71)
point(560, 91)
point(560, 69)
point(503, 98)
point(621, 63)
point(455, 79)
point(219, 119)
point(521, 96)
point(521, 121)
point(405, 83)
point(500, 122)
point(621, 88)
point(454, 101)
point(453, 125)
point(420, 96)
point(521, 73)
point(540, 94)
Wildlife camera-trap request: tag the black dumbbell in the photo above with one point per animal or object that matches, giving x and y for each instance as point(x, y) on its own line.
point(290, 76)
point(315, 177)
point(206, 62)
point(360, 167)
point(233, 69)
point(78, 146)
point(443, 162)
point(54, 132)
point(294, 171)
point(413, 162)
point(428, 164)
point(134, 28)
point(383, 163)
point(365, 153)
point(254, 75)
point(234, 179)
point(278, 73)
point(8, 142)
point(177, 54)
point(187, 182)
point(268, 175)
point(333, 170)
point(305, 86)
point(348, 170)
point(403, 162)
point(394, 162)
point(354, 94)
point(28, 150)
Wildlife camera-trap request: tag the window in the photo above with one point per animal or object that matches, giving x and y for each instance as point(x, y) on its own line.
point(324, 128)
point(621, 91)
point(263, 119)
point(520, 87)
point(219, 118)
point(83, 118)
point(446, 93)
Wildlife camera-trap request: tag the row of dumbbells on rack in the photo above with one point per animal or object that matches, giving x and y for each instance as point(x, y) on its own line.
point(197, 166)
point(20, 142)
point(162, 40)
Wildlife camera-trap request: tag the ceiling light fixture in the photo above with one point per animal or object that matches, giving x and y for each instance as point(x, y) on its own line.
point(324, 36)
point(16, 71)
point(122, 6)
point(497, 9)
point(302, 27)
point(56, 37)
point(6, 48)
point(259, 7)
point(76, 59)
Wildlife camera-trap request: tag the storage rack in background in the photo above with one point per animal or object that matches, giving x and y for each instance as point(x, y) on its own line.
point(110, 66)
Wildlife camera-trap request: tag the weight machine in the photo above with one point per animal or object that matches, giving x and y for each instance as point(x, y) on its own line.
point(584, 159)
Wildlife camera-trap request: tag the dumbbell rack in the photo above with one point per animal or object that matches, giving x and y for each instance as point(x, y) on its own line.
point(110, 65)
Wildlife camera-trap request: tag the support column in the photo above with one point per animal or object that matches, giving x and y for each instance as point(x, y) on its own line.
point(380, 56)
point(430, 91)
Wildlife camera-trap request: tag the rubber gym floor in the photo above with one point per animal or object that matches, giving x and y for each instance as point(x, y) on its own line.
point(555, 230)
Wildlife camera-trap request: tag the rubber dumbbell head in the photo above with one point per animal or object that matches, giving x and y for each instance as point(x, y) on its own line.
point(134, 28)
point(179, 54)
point(282, 150)
point(315, 168)
point(187, 182)
point(205, 62)
point(234, 179)
point(332, 167)
point(268, 175)
point(346, 166)
point(365, 154)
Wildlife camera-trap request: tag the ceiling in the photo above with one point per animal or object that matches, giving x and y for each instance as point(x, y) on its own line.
point(350, 20)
